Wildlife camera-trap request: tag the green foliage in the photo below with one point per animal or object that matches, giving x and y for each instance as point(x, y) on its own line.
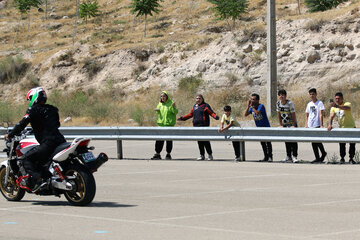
point(138, 115)
point(145, 8)
point(89, 9)
point(73, 104)
point(190, 84)
point(24, 6)
point(10, 112)
point(322, 5)
point(12, 68)
point(99, 111)
point(229, 9)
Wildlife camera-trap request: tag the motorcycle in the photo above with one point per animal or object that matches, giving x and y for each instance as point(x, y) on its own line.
point(69, 170)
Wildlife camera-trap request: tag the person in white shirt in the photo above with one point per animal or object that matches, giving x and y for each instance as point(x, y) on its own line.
point(314, 119)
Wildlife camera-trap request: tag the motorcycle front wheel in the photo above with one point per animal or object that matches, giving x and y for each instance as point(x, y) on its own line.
point(84, 186)
point(11, 191)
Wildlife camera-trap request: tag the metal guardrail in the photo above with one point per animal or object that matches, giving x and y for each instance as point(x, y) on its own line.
point(210, 134)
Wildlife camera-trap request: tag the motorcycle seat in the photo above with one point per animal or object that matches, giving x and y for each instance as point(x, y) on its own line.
point(60, 148)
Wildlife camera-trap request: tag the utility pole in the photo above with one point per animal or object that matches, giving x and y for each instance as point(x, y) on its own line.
point(271, 59)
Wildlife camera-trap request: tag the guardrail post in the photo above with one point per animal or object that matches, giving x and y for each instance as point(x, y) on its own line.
point(119, 149)
point(242, 151)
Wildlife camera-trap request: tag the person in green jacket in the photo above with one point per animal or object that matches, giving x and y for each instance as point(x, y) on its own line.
point(166, 110)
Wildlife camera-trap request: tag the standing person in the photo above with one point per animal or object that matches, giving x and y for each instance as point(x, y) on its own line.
point(227, 121)
point(342, 110)
point(44, 120)
point(261, 120)
point(314, 119)
point(200, 114)
point(166, 111)
point(287, 118)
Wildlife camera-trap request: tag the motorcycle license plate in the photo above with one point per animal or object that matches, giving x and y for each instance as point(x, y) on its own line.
point(88, 157)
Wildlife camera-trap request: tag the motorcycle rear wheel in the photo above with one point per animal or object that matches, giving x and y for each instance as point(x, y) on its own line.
point(12, 192)
point(84, 186)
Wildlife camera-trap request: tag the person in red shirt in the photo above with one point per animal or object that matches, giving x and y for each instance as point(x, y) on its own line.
point(200, 114)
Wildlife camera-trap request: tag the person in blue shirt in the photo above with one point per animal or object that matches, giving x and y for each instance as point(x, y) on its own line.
point(261, 120)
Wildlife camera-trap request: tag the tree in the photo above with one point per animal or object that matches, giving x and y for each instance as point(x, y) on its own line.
point(321, 5)
point(229, 9)
point(145, 8)
point(88, 9)
point(24, 7)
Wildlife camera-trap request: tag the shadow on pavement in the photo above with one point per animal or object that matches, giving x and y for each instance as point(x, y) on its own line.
point(65, 203)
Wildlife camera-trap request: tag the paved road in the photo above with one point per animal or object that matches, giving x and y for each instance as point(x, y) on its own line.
point(141, 199)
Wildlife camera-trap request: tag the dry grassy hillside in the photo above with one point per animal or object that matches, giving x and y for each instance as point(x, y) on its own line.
point(103, 66)
point(116, 27)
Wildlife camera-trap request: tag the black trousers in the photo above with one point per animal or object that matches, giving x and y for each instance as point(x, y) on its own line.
point(291, 149)
point(236, 146)
point(267, 149)
point(316, 147)
point(205, 145)
point(37, 157)
point(160, 144)
point(343, 150)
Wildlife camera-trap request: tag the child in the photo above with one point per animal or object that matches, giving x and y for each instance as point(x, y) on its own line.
point(287, 118)
point(227, 121)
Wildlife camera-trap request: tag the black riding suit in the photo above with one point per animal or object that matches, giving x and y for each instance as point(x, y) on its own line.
point(44, 120)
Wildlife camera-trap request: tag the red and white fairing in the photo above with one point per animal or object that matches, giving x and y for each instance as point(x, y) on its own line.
point(24, 146)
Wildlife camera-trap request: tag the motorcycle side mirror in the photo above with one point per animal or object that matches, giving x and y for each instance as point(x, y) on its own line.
point(28, 130)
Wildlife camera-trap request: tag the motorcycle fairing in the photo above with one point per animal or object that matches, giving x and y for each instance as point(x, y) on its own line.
point(64, 154)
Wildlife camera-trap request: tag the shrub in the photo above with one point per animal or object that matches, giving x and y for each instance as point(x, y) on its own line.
point(10, 112)
point(190, 84)
point(12, 68)
point(92, 66)
point(31, 81)
point(72, 104)
point(315, 25)
point(232, 77)
point(321, 5)
point(98, 111)
point(88, 9)
point(139, 69)
point(138, 115)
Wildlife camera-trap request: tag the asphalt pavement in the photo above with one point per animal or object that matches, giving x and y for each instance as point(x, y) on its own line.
point(138, 198)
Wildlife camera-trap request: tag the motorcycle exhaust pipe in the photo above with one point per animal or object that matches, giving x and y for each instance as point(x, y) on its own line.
point(100, 160)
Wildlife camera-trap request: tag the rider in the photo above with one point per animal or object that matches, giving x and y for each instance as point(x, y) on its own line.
point(44, 120)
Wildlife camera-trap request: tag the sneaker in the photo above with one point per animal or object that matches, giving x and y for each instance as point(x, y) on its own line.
point(351, 161)
point(342, 161)
point(270, 159)
point(201, 158)
point(318, 160)
point(286, 159)
point(237, 159)
point(156, 156)
point(294, 159)
point(168, 156)
point(210, 157)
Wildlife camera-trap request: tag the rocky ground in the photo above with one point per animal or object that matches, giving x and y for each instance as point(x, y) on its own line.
point(311, 53)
